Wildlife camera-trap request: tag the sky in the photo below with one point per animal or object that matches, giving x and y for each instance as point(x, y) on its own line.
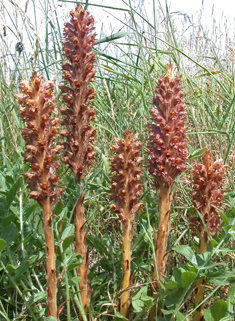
point(220, 11)
point(107, 20)
point(212, 9)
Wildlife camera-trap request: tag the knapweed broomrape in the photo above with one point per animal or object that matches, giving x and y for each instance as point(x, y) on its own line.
point(78, 72)
point(126, 190)
point(37, 105)
point(167, 157)
point(208, 179)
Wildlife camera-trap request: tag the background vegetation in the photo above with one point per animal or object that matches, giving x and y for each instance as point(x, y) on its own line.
point(129, 64)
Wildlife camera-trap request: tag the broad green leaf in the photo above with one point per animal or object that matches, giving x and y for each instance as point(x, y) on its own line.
point(187, 252)
point(197, 153)
point(3, 245)
point(50, 319)
point(67, 231)
point(187, 278)
point(9, 233)
point(137, 302)
point(11, 268)
point(75, 261)
point(13, 191)
point(167, 312)
point(177, 276)
point(24, 266)
point(230, 298)
point(118, 317)
point(76, 279)
point(148, 300)
point(224, 218)
point(141, 299)
point(67, 242)
point(137, 305)
point(170, 285)
point(208, 316)
point(191, 268)
point(219, 310)
point(73, 266)
point(174, 297)
point(179, 316)
point(37, 297)
point(30, 208)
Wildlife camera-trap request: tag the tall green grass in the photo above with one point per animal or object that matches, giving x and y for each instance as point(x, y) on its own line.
point(129, 64)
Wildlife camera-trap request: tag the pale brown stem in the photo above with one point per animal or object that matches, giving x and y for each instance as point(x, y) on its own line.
point(80, 248)
point(50, 259)
point(126, 268)
point(165, 199)
point(199, 291)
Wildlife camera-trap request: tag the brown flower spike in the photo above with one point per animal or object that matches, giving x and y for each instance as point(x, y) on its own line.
point(168, 153)
point(78, 70)
point(208, 179)
point(167, 143)
point(37, 101)
point(126, 190)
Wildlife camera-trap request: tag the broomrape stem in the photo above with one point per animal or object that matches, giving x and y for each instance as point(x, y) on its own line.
point(78, 44)
point(165, 199)
point(126, 261)
point(80, 248)
point(168, 153)
point(126, 189)
point(50, 258)
point(37, 105)
point(199, 291)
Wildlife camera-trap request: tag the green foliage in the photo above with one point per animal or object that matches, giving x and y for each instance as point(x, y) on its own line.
point(129, 63)
point(219, 310)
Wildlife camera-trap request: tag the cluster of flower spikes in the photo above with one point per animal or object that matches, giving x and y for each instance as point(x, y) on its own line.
point(37, 105)
point(167, 142)
point(78, 73)
point(208, 179)
point(126, 186)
